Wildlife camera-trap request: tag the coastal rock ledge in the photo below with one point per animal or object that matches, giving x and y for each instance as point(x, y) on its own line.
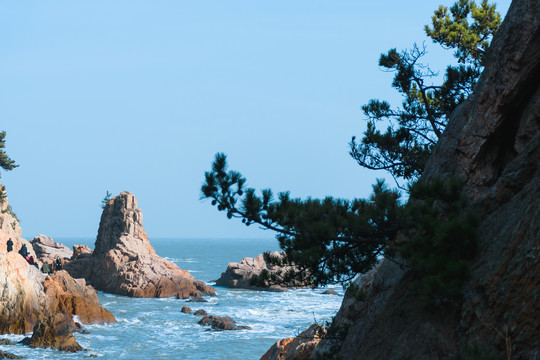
point(123, 261)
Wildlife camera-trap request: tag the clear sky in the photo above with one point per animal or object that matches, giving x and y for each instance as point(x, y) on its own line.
point(132, 95)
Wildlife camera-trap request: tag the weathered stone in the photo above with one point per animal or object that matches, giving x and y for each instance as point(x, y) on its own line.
point(125, 263)
point(23, 300)
point(73, 296)
point(80, 250)
point(241, 274)
point(47, 249)
point(200, 312)
point(55, 333)
point(221, 323)
point(6, 342)
point(186, 310)
point(298, 348)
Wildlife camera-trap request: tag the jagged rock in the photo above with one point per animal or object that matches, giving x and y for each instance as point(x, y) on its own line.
point(297, 348)
point(74, 297)
point(241, 274)
point(493, 143)
point(200, 312)
point(221, 323)
point(80, 250)
point(186, 310)
point(47, 249)
point(54, 332)
point(124, 262)
point(27, 303)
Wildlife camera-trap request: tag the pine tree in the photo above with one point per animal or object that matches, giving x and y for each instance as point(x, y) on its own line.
point(413, 130)
point(5, 162)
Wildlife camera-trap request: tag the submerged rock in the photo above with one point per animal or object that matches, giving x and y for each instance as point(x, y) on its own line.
point(186, 310)
point(200, 312)
point(221, 323)
point(5, 355)
point(123, 261)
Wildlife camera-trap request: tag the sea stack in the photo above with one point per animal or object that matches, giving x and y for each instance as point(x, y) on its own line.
point(123, 261)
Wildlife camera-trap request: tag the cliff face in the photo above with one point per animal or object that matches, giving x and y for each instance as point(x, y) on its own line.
point(31, 301)
point(493, 143)
point(125, 263)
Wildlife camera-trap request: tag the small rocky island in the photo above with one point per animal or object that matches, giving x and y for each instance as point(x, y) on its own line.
point(246, 274)
point(123, 261)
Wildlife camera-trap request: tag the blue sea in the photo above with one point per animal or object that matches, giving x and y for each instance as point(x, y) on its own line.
point(156, 329)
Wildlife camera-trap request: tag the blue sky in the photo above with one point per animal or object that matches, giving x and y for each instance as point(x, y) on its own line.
point(139, 96)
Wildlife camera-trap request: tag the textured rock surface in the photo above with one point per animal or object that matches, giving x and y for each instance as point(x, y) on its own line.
point(298, 348)
point(124, 262)
point(28, 303)
point(80, 250)
point(493, 143)
point(47, 249)
point(54, 332)
point(73, 296)
point(22, 299)
point(239, 274)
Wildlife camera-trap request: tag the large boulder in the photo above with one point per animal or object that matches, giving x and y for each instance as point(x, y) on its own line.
point(47, 249)
point(73, 296)
point(54, 332)
point(123, 261)
point(221, 323)
point(246, 274)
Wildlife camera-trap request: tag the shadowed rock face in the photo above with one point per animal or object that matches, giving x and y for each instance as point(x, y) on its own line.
point(493, 142)
point(125, 263)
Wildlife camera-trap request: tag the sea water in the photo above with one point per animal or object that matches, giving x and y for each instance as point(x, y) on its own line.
point(156, 329)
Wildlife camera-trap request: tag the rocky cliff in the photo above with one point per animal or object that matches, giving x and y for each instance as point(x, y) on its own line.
point(31, 301)
point(493, 143)
point(123, 261)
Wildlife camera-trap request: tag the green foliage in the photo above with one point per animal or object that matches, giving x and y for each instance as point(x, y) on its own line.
point(413, 130)
point(2, 194)
point(5, 162)
point(329, 240)
point(106, 199)
point(442, 238)
point(453, 31)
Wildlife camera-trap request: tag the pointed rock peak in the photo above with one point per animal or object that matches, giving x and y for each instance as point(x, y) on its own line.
point(121, 225)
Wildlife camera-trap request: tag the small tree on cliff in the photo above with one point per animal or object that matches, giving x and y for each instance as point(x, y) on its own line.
point(332, 239)
point(5, 162)
point(413, 130)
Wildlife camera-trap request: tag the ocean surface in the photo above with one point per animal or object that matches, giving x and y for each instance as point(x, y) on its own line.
point(156, 329)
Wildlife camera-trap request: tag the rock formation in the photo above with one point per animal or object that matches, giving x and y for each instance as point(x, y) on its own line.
point(493, 142)
point(30, 301)
point(123, 261)
point(241, 274)
point(73, 296)
point(298, 348)
point(47, 249)
point(221, 323)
